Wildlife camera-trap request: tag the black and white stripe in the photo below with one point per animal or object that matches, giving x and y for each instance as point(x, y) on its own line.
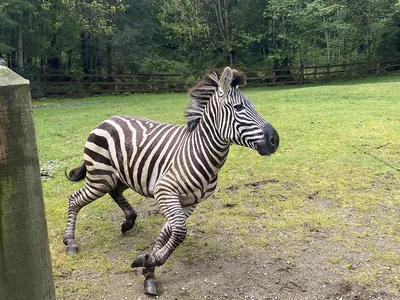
point(176, 165)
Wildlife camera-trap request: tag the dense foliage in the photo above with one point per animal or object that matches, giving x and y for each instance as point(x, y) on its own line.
point(184, 36)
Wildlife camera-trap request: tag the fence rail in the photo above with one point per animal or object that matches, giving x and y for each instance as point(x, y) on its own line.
point(150, 83)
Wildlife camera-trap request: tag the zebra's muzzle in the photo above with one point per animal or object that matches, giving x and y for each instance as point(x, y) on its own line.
point(270, 143)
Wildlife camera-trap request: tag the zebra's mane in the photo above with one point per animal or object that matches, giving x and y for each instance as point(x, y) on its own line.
point(201, 93)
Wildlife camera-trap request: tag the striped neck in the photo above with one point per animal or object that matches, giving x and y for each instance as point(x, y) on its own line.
point(207, 141)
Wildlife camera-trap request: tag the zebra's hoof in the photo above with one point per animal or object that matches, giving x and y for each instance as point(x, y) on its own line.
point(150, 286)
point(73, 249)
point(127, 225)
point(139, 261)
point(145, 261)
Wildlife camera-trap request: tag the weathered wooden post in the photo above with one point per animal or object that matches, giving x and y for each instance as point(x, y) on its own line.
point(301, 72)
point(328, 71)
point(378, 68)
point(25, 265)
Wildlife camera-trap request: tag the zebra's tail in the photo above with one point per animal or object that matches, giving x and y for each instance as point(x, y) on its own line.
point(76, 174)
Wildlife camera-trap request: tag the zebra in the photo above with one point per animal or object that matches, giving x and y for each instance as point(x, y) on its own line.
point(177, 165)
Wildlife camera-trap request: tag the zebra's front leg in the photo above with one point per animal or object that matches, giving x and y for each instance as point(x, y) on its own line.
point(150, 282)
point(149, 262)
point(163, 238)
point(176, 217)
point(158, 258)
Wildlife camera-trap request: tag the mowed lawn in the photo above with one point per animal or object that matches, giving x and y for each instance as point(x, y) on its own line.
point(327, 203)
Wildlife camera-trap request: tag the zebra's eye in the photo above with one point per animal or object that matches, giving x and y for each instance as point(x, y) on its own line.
point(238, 107)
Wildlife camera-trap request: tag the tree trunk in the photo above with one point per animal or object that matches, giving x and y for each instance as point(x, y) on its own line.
point(54, 61)
point(20, 51)
point(327, 42)
point(109, 55)
point(231, 58)
point(25, 265)
point(85, 58)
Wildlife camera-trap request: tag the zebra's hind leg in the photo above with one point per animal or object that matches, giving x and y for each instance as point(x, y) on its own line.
point(82, 197)
point(130, 213)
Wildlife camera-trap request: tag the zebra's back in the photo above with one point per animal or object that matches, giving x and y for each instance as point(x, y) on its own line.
point(134, 151)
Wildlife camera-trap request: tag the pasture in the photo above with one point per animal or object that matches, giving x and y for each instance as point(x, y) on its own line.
point(317, 220)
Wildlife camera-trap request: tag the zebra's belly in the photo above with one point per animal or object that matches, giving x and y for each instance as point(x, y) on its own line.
point(140, 183)
point(149, 193)
point(188, 200)
point(146, 187)
point(196, 197)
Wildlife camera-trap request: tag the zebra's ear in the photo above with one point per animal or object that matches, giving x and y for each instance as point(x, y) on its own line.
point(225, 80)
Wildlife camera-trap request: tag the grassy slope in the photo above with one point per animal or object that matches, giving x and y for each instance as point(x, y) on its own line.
point(333, 178)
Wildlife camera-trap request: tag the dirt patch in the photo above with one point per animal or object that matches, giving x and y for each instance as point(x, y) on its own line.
point(47, 168)
point(262, 182)
point(311, 259)
point(254, 185)
point(269, 274)
point(243, 278)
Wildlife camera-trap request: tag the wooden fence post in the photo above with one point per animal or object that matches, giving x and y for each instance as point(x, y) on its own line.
point(273, 76)
point(301, 72)
point(315, 72)
point(25, 264)
point(378, 68)
point(328, 70)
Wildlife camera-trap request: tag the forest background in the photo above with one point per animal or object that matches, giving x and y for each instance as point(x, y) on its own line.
point(190, 36)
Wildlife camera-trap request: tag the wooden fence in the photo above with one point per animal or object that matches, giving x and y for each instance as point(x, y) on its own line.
point(153, 83)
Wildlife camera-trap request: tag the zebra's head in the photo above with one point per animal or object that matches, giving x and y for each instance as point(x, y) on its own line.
point(236, 119)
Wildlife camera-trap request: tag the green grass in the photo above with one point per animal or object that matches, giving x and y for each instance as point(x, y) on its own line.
point(336, 175)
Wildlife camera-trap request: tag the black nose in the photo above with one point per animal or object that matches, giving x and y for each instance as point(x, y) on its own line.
point(272, 137)
point(274, 140)
point(270, 143)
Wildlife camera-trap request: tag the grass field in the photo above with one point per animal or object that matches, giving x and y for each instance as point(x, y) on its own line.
point(318, 219)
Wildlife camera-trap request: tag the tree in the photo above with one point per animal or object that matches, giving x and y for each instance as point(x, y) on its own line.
point(181, 36)
point(15, 14)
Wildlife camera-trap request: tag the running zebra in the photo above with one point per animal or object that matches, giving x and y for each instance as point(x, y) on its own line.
point(176, 165)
